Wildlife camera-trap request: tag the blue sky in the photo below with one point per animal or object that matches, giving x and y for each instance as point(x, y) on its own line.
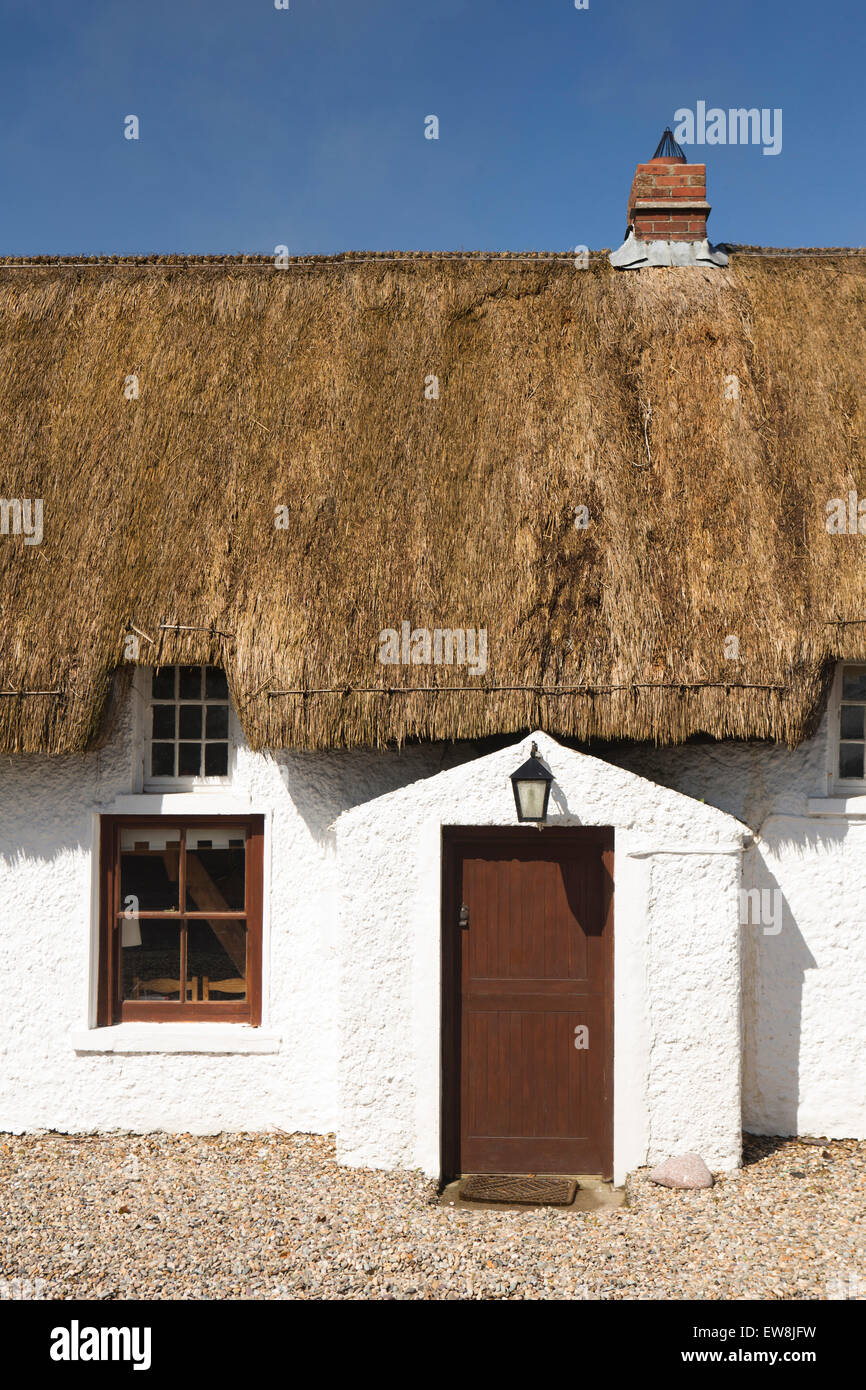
point(305, 127)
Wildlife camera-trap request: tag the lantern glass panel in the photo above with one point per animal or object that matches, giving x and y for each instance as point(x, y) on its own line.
point(532, 796)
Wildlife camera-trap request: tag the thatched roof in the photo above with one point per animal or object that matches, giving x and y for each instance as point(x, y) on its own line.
point(559, 388)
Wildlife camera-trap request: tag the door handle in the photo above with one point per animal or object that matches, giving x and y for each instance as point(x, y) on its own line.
point(463, 916)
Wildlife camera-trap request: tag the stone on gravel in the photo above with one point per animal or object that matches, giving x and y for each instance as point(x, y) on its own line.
point(685, 1172)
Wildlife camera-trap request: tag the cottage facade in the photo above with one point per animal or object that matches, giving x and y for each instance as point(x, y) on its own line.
point(254, 875)
point(725, 1015)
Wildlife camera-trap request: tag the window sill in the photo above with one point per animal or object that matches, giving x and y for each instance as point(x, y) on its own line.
point(175, 1037)
point(204, 802)
point(176, 786)
point(840, 805)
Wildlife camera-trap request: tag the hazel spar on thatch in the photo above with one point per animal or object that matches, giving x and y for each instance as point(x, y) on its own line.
point(304, 389)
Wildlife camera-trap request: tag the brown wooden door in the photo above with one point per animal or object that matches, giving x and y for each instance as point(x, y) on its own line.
point(530, 971)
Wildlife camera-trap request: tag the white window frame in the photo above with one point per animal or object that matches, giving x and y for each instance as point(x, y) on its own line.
point(853, 786)
point(143, 781)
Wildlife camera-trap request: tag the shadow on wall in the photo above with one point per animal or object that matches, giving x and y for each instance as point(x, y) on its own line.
point(775, 958)
point(46, 804)
point(747, 780)
point(45, 807)
point(559, 803)
point(321, 786)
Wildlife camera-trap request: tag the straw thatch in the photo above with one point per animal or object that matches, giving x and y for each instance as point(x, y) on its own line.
point(559, 388)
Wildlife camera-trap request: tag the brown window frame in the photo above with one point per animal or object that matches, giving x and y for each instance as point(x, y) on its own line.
point(111, 1008)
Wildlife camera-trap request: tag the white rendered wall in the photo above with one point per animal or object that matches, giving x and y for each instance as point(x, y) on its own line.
point(804, 988)
point(677, 1024)
point(47, 835)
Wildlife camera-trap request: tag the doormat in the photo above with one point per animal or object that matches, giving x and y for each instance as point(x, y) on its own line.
point(547, 1192)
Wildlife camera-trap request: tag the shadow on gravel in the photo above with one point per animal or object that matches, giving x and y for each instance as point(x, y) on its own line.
point(759, 1146)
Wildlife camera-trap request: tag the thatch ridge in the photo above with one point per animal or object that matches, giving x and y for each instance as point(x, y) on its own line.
point(559, 388)
point(190, 259)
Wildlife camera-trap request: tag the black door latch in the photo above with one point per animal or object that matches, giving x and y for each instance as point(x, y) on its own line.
point(463, 916)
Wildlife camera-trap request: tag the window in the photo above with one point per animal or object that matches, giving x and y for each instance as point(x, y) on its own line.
point(180, 919)
point(188, 719)
point(852, 711)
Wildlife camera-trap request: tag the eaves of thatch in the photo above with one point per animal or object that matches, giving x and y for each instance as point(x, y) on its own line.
point(559, 388)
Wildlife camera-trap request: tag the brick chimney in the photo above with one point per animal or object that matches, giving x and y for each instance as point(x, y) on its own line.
point(667, 213)
point(668, 201)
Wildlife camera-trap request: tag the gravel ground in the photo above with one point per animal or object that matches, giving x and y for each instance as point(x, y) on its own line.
point(273, 1216)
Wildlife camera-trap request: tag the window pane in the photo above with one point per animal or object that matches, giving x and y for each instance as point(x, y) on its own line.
point(217, 960)
point(190, 721)
point(149, 876)
point(851, 759)
point(216, 759)
point(163, 683)
point(189, 760)
point(852, 721)
point(150, 969)
point(215, 866)
point(162, 760)
point(181, 720)
point(854, 683)
point(215, 684)
point(217, 725)
point(190, 682)
point(163, 721)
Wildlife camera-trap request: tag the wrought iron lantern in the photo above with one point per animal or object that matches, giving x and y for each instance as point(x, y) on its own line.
point(531, 785)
